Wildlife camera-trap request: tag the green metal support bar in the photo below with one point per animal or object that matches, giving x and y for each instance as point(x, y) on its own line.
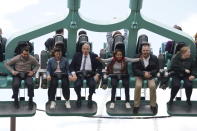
point(74, 21)
point(12, 123)
point(31, 34)
point(130, 52)
point(74, 5)
point(136, 5)
point(72, 41)
point(169, 32)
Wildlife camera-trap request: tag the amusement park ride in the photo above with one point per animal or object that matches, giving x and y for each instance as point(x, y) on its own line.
point(73, 22)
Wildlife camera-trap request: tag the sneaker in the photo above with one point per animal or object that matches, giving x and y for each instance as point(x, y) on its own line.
point(112, 105)
point(52, 105)
point(127, 104)
point(67, 104)
point(135, 110)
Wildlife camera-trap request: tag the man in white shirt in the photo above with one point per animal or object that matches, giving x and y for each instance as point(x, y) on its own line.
point(145, 70)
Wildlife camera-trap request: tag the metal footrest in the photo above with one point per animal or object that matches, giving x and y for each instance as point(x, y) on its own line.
point(7, 109)
point(61, 110)
point(121, 110)
point(181, 108)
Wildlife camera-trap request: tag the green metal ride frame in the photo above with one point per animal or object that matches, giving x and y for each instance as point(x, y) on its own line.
point(134, 22)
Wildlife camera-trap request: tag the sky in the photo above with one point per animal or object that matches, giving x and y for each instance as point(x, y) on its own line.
point(24, 14)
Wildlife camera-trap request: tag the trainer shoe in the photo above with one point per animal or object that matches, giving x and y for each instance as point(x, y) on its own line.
point(67, 104)
point(52, 105)
point(112, 105)
point(127, 105)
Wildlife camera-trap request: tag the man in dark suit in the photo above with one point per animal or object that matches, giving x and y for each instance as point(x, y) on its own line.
point(85, 61)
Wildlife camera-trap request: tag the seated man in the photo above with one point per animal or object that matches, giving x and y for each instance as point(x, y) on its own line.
point(23, 67)
point(85, 61)
point(57, 41)
point(145, 70)
point(58, 68)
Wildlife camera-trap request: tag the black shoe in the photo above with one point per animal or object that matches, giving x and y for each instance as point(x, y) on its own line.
point(30, 105)
point(16, 104)
point(170, 102)
point(90, 97)
point(135, 110)
point(163, 86)
point(90, 103)
point(154, 109)
point(189, 102)
point(78, 103)
point(104, 86)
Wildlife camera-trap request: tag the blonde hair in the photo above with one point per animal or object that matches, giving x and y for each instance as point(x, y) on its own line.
point(184, 49)
point(195, 36)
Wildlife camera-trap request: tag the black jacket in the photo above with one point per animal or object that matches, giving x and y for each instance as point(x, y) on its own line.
point(179, 65)
point(139, 68)
point(77, 60)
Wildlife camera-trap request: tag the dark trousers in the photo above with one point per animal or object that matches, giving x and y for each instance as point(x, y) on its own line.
point(176, 84)
point(53, 88)
point(91, 83)
point(114, 84)
point(16, 83)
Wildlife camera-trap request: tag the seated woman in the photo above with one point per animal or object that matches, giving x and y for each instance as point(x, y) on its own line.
point(117, 67)
point(184, 69)
point(58, 68)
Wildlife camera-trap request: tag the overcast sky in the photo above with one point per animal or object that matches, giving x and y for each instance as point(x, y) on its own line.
point(18, 15)
point(24, 14)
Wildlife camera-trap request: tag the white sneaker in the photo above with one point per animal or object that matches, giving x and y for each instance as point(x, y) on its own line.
point(67, 104)
point(112, 105)
point(52, 105)
point(127, 104)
